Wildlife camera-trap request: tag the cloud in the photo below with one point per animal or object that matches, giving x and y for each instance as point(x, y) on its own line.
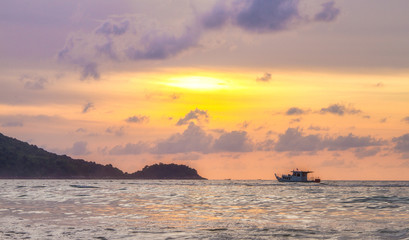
point(263, 16)
point(217, 17)
point(266, 145)
point(111, 28)
point(12, 124)
point(90, 70)
point(352, 141)
point(366, 152)
point(339, 109)
point(244, 124)
point(294, 140)
point(193, 114)
point(406, 119)
point(265, 78)
point(159, 46)
point(78, 148)
point(87, 107)
point(266, 16)
point(32, 82)
point(193, 139)
point(235, 141)
point(123, 38)
point(328, 13)
point(118, 131)
point(137, 119)
point(295, 111)
point(317, 128)
point(401, 143)
point(129, 149)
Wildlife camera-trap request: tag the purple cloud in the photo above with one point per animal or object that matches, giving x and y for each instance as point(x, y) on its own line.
point(267, 16)
point(294, 111)
point(78, 148)
point(193, 139)
point(235, 141)
point(193, 114)
point(265, 78)
point(137, 119)
point(339, 109)
point(328, 13)
point(87, 107)
point(129, 149)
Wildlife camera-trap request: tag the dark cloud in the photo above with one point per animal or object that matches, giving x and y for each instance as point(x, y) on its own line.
point(401, 143)
point(117, 131)
point(78, 148)
point(295, 111)
point(107, 49)
point(77, 53)
point(267, 15)
point(265, 78)
point(266, 145)
point(137, 119)
point(81, 130)
point(159, 46)
point(196, 114)
point(317, 128)
point(90, 70)
point(126, 38)
point(110, 28)
point(366, 152)
point(12, 124)
point(129, 149)
point(217, 17)
point(383, 120)
point(235, 141)
point(244, 124)
point(294, 140)
point(295, 120)
point(87, 107)
point(34, 82)
point(339, 109)
point(328, 13)
point(193, 139)
point(352, 141)
point(406, 119)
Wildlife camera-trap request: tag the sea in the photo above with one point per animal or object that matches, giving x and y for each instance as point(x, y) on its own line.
point(200, 209)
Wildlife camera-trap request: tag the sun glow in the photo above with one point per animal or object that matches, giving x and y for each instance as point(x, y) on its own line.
point(199, 83)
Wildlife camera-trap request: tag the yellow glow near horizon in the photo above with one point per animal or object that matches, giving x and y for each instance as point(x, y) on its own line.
point(198, 83)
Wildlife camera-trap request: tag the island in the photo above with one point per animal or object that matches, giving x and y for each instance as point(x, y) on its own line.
point(21, 160)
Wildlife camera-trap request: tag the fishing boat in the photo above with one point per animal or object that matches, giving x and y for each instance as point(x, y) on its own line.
point(297, 176)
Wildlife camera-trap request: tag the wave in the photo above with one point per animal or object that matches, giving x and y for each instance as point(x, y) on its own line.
point(82, 186)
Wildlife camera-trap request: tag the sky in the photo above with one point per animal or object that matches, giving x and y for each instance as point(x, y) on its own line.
point(234, 89)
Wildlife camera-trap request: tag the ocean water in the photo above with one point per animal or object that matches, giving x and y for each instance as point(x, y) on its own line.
point(174, 209)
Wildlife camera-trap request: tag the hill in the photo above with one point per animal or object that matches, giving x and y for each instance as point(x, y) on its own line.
point(21, 160)
point(166, 171)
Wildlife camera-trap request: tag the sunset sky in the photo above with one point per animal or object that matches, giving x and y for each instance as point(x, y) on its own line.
point(234, 89)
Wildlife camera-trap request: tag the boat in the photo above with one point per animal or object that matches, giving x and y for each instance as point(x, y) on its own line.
point(297, 176)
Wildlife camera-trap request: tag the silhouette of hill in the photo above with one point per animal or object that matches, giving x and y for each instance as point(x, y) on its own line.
point(21, 160)
point(166, 171)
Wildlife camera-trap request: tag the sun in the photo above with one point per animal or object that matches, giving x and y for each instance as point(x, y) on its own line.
point(198, 83)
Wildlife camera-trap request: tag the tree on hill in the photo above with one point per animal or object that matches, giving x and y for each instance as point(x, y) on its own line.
point(21, 160)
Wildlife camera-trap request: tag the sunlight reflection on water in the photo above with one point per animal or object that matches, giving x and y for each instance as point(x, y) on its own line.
point(132, 209)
